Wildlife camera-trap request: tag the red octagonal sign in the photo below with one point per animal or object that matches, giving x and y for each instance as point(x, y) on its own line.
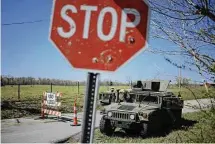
point(99, 35)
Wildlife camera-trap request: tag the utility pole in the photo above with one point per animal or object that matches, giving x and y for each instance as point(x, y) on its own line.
point(179, 83)
point(131, 84)
point(180, 76)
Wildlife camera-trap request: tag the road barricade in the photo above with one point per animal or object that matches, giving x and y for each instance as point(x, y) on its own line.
point(51, 104)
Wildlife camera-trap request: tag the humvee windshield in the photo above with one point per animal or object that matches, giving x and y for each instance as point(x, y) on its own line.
point(143, 98)
point(104, 96)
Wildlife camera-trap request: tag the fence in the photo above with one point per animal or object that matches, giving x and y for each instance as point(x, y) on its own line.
point(24, 100)
point(20, 92)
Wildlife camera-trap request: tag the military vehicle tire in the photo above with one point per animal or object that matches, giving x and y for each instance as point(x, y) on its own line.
point(178, 114)
point(130, 131)
point(106, 127)
point(144, 130)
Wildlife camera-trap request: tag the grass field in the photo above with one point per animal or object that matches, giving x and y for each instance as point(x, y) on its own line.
point(30, 97)
point(34, 93)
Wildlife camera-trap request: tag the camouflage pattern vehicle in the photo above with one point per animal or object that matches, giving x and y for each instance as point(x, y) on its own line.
point(146, 108)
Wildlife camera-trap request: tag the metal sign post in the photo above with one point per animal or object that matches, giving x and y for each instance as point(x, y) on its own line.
point(90, 103)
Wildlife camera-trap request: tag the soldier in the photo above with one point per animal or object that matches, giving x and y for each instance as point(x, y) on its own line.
point(121, 95)
point(138, 85)
point(112, 89)
point(113, 95)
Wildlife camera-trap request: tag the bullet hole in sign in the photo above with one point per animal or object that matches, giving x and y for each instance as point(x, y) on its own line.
point(95, 60)
point(131, 40)
point(109, 58)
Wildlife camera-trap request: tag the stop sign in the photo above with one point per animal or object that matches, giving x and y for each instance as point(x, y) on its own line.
point(99, 35)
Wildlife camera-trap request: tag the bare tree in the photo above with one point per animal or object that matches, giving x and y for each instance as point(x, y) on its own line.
point(190, 25)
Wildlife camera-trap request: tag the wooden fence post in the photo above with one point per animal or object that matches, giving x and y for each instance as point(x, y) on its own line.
point(43, 106)
point(78, 87)
point(18, 92)
point(51, 87)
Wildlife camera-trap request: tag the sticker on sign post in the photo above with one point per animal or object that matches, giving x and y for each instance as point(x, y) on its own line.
point(51, 99)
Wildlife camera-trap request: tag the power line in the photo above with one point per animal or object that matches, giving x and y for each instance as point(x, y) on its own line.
point(26, 22)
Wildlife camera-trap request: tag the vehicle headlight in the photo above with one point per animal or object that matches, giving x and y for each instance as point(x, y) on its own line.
point(144, 115)
point(109, 114)
point(132, 116)
point(141, 118)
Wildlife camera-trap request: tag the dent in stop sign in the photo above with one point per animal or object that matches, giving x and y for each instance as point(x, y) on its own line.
point(99, 35)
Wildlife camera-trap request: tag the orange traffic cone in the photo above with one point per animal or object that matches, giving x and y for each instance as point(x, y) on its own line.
point(75, 119)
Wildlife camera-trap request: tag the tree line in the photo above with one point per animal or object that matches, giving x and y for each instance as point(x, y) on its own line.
point(10, 80)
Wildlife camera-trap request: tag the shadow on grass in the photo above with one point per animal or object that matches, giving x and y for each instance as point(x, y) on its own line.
point(184, 125)
point(18, 109)
point(31, 108)
point(11, 109)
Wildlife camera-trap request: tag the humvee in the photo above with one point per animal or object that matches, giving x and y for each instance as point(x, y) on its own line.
point(145, 109)
point(107, 97)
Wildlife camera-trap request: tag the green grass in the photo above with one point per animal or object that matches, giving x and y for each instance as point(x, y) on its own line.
point(30, 97)
point(69, 92)
point(199, 92)
point(201, 131)
point(34, 93)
